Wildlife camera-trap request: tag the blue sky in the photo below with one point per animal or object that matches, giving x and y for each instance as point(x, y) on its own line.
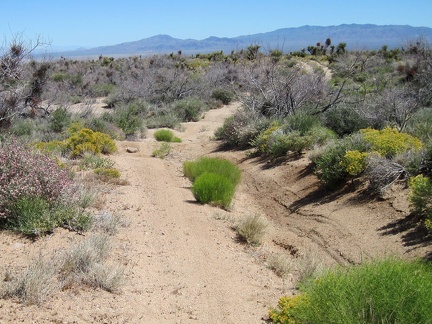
point(91, 23)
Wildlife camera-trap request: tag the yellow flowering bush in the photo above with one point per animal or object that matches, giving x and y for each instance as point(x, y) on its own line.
point(389, 141)
point(86, 140)
point(285, 311)
point(354, 162)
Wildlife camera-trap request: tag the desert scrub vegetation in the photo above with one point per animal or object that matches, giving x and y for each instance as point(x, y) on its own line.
point(383, 156)
point(252, 229)
point(383, 291)
point(36, 194)
point(82, 264)
point(421, 198)
point(214, 180)
point(166, 135)
point(162, 151)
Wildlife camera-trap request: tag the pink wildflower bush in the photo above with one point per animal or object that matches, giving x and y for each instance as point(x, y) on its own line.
point(27, 173)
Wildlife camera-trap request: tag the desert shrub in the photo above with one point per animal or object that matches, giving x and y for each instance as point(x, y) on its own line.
point(421, 198)
point(213, 188)
point(354, 162)
point(387, 291)
point(129, 117)
point(163, 151)
point(344, 120)
point(193, 169)
point(102, 90)
point(108, 223)
point(280, 264)
point(60, 120)
point(23, 127)
point(329, 167)
point(189, 109)
point(102, 125)
point(421, 124)
point(165, 135)
point(94, 161)
point(168, 120)
point(294, 134)
point(33, 216)
point(85, 264)
point(240, 129)
point(285, 313)
point(28, 173)
point(224, 95)
point(35, 285)
point(85, 140)
point(252, 229)
point(278, 144)
point(109, 173)
point(389, 141)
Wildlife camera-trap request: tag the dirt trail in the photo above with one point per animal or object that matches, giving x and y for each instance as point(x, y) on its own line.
point(182, 261)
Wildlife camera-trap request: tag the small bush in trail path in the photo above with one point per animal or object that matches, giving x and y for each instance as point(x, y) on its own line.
point(213, 188)
point(193, 169)
point(166, 135)
point(214, 180)
point(163, 151)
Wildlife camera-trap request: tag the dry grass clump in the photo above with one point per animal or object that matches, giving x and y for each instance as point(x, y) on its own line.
point(108, 223)
point(280, 264)
point(308, 264)
point(83, 264)
point(252, 229)
point(35, 284)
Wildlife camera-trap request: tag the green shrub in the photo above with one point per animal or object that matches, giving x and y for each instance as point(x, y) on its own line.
point(102, 125)
point(224, 95)
point(213, 188)
point(214, 180)
point(241, 129)
point(163, 150)
point(168, 120)
point(33, 216)
point(166, 135)
point(109, 173)
point(388, 291)
point(344, 120)
point(193, 169)
point(189, 109)
point(23, 127)
point(60, 120)
point(129, 118)
point(94, 161)
point(329, 167)
point(421, 198)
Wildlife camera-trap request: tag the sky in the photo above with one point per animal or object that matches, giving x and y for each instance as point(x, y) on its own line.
point(92, 23)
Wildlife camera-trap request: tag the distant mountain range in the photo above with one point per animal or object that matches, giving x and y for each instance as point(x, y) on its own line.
point(356, 36)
